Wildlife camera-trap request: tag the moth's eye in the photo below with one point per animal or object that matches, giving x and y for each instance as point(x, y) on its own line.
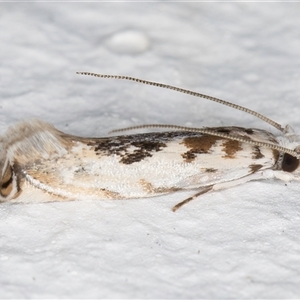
point(6, 183)
point(289, 163)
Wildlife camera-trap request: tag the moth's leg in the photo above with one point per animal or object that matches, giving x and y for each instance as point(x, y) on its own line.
point(201, 192)
point(266, 174)
point(285, 176)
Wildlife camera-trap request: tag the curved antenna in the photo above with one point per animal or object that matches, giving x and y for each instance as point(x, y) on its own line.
point(214, 133)
point(188, 92)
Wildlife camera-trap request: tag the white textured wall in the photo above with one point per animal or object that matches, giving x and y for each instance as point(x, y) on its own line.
point(240, 243)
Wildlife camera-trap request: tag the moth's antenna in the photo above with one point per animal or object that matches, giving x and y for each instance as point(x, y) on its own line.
point(188, 92)
point(210, 131)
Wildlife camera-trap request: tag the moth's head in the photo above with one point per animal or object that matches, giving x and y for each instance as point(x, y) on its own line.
point(289, 161)
point(291, 164)
point(9, 187)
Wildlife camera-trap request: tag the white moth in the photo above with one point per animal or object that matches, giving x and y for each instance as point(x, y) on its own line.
point(39, 163)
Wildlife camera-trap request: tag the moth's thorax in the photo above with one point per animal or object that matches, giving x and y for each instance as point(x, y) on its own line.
point(33, 140)
point(23, 145)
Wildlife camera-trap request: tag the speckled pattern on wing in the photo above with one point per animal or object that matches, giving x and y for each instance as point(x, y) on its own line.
point(67, 167)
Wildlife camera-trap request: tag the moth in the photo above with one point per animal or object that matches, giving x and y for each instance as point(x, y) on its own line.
point(39, 163)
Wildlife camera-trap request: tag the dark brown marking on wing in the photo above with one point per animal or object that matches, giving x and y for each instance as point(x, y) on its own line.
point(223, 130)
point(189, 156)
point(150, 189)
point(198, 145)
point(233, 129)
point(275, 155)
point(111, 195)
point(144, 149)
point(210, 170)
point(249, 131)
point(254, 168)
point(256, 154)
point(135, 148)
point(231, 147)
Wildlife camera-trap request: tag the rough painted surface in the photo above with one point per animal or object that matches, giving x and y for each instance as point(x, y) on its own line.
point(242, 242)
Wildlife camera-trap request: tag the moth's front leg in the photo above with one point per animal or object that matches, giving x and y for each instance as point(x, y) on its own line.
point(285, 176)
point(259, 175)
point(265, 174)
point(201, 192)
